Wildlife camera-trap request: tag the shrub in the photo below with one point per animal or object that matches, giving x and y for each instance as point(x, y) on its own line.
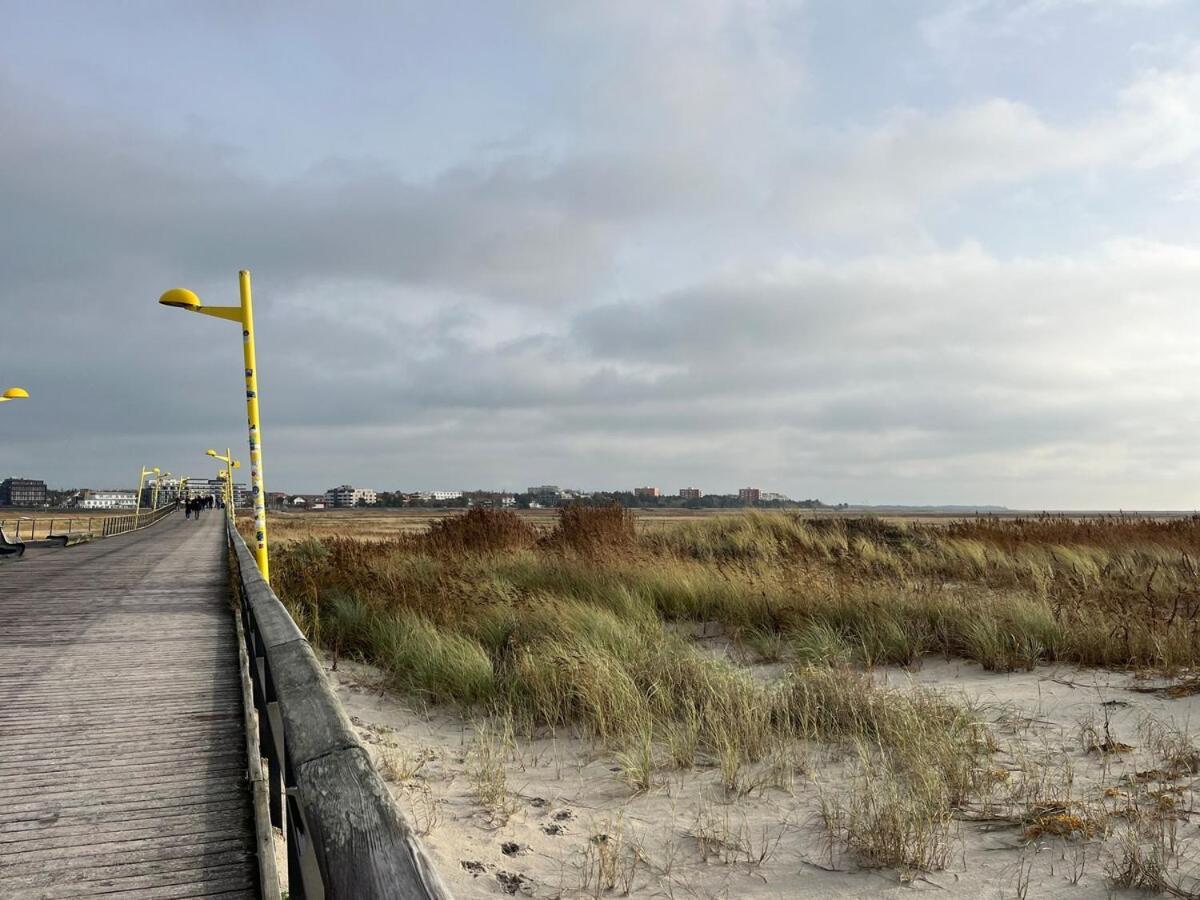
point(591, 530)
point(480, 531)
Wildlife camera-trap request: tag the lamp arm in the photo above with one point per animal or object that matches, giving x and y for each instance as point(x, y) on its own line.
point(232, 313)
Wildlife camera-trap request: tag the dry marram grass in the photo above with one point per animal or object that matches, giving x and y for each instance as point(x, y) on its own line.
point(583, 626)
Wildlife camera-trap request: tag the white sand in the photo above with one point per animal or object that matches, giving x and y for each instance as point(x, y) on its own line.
point(569, 802)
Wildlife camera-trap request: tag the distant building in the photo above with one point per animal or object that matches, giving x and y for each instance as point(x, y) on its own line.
point(169, 490)
point(545, 494)
point(108, 500)
point(490, 499)
point(690, 493)
point(22, 492)
point(647, 492)
point(437, 496)
point(240, 492)
point(182, 488)
point(749, 495)
point(552, 495)
point(771, 495)
point(172, 489)
point(346, 495)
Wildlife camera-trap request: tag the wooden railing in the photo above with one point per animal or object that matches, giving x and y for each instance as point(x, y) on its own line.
point(132, 522)
point(345, 837)
point(33, 528)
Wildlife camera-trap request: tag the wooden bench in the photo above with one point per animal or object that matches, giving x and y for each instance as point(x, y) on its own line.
point(10, 548)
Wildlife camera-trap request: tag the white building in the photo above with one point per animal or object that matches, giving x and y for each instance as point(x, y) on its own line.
point(206, 487)
point(171, 489)
point(168, 489)
point(108, 500)
point(348, 495)
point(438, 495)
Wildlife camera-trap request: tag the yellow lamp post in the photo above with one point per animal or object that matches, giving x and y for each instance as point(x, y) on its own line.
point(14, 393)
point(137, 509)
point(227, 474)
point(244, 314)
point(227, 493)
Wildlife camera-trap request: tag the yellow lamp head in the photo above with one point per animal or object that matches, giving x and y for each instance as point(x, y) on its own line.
point(211, 452)
point(15, 393)
point(182, 298)
point(234, 464)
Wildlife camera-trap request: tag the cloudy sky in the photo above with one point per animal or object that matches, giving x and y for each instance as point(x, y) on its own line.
point(933, 251)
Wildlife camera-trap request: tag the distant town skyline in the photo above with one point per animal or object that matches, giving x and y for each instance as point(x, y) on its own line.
point(934, 252)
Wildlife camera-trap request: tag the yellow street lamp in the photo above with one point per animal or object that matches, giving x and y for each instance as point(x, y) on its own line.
point(14, 393)
point(141, 481)
point(227, 493)
point(227, 474)
point(244, 314)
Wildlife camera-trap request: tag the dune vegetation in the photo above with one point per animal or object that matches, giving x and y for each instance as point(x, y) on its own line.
point(1006, 593)
point(589, 627)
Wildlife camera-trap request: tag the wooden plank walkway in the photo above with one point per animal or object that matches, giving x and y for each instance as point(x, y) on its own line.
point(122, 748)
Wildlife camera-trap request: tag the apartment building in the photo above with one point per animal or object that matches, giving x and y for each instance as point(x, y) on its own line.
point(347, 495)
point(22, 492)
point(108, 500)
point(439, 496)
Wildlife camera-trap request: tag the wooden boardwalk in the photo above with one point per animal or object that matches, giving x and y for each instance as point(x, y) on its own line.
point(122, 747)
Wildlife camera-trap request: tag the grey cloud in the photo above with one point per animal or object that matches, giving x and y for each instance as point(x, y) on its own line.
point(81, 196)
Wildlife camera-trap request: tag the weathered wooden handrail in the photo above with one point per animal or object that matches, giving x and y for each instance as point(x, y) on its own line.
point(89, 527)
point(114, 525)
point(345, 837)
